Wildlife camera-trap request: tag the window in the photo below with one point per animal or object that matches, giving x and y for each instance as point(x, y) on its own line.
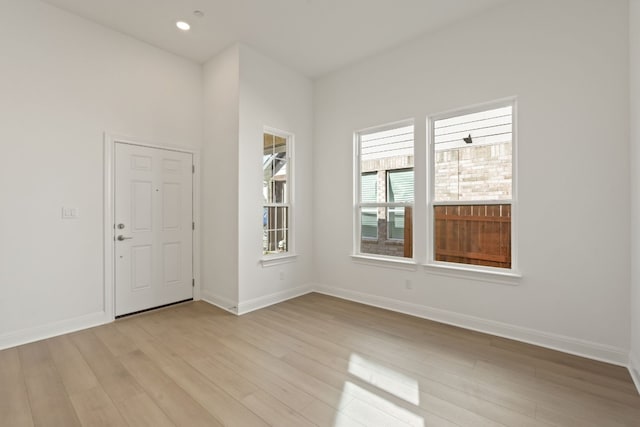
point(276, 189)
point(472, 186)
point(385, 191)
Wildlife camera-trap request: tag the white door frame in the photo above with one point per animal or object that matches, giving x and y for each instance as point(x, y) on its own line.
point(109, 283)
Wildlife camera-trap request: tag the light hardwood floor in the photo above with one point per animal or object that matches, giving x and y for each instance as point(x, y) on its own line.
point(314, 360)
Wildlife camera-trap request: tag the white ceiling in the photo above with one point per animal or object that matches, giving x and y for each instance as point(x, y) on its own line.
point(311, 36)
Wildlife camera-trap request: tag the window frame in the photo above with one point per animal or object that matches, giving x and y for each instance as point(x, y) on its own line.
point(358, 205)
point(431, 263)
point(290, 254)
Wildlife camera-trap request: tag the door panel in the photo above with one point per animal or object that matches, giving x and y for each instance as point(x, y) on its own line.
point(153, 211)
point(141, 203)
point(172, 257)
point(141, 163)
point(141, 267)
point(171, 206)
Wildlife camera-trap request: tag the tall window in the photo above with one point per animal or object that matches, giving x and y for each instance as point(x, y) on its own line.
point(385, 191)
point(472, 186)
point(276, 187)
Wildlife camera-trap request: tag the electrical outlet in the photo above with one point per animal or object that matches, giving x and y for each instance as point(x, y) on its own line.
point(69, 213)
point(408, 284)
point(282, 275)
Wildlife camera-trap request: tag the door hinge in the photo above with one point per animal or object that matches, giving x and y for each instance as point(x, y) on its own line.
point(193, 283)
point(193, 168)
point(193, 225)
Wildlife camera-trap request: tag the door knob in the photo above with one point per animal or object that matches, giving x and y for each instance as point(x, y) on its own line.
point(121, 238)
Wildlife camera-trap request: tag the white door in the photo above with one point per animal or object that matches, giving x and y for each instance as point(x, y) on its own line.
point(153, 227)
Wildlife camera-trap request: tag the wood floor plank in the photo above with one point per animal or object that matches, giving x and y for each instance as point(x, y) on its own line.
point(136, 407)
point(95, 408)
point(370, 342)
point(253, 397)
point(15, 409)
point(117, 343)
point(558, 398)
point(213, 398)
point(181, 408)
point(322, 414)
point(50, 404)
point(609, 392)
point(273, 411)
point(114, 378)
point(545, 354)
point(76, 374)
point(91, 403)
point(560, 418)
point(141, 410)
point(302, 380)
point(530, 370)
point(217, 401)
point(312, 360)
point(410, 404)
point(279, 388)
point(425, 375)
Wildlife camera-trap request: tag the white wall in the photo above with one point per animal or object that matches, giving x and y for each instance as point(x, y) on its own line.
point(65, 81)
point(272, 95)
point(634, 37)
point(220, 166)
point(244, 92)
point(566, 61)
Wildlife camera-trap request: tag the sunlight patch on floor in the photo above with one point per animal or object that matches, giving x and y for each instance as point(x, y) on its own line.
point(393, 382)
point(367, 408)
point(367, 399)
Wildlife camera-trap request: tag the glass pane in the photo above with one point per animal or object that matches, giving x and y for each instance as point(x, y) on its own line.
point(275, 229)
point(400, 186)
point(473, 234)
point(369, 223)
point(473, 156)
point(387, 231)
point(473, 173)
point(368, 187)
point(380, 153)
point(279, 181)
point(283, 240)
point(274, 165)
point(396, 223)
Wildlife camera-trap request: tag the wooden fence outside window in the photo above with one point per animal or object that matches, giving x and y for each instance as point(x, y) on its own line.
point(473, 234)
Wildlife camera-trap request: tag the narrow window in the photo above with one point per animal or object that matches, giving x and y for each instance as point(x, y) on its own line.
point(276, 188)
point(472, 186)
point(384, 203)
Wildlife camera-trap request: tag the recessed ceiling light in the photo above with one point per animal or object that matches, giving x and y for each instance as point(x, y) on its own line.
point(198, 13)
point(183, 25)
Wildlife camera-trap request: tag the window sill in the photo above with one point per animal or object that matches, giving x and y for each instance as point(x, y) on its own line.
point(386, 262)
point(507, 277)
point(270, 260)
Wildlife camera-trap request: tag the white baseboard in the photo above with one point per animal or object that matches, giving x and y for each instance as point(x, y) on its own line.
point(220, 302)
point(245, 307)
point(634, 369)
point(54, 329)
point(588, 349)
